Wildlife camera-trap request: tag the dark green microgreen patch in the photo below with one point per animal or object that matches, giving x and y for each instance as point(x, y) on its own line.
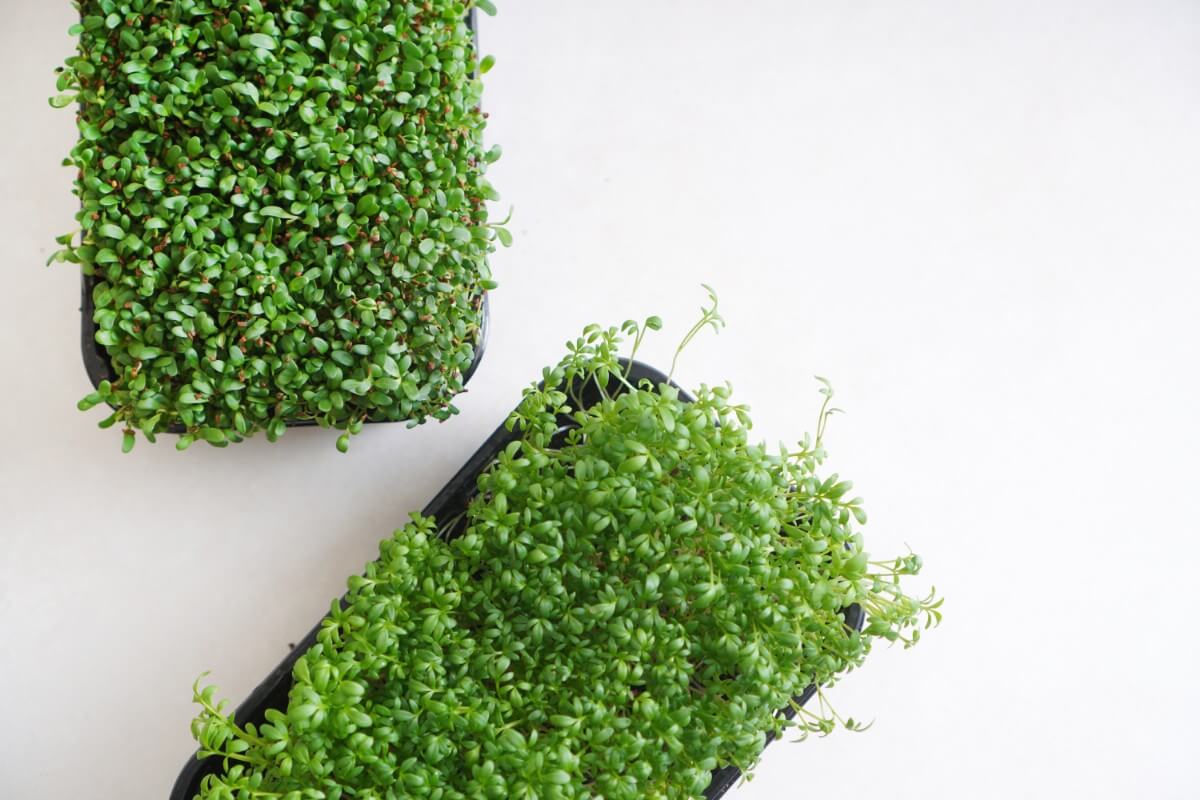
point(283, 210)
point(629, 605)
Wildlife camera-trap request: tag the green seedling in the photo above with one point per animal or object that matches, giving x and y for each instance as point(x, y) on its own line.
point(282, 208)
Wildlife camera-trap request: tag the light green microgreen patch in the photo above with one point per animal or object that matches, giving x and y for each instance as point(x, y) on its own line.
point(637, 591)
point(255, 178)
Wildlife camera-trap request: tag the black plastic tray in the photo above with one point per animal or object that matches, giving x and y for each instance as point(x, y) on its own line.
point(99, 367)
point(272, 692)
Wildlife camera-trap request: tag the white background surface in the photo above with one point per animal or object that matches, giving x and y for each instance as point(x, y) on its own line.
point(978, 219)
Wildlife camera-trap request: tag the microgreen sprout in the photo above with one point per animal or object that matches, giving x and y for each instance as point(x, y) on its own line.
point(283, 211)
point(636, 593)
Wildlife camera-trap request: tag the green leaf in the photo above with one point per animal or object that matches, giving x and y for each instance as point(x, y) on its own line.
point(367, 206)
point(261, 40)
point(213, 435)
point(359, 387)
point(276, 212)
point(91, 401)
point(632, 464)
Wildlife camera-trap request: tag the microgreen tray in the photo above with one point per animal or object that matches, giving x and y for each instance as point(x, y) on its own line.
point(99, 368)
point(447, 507)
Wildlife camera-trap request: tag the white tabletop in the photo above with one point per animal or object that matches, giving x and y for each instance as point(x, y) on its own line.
point(977, 219)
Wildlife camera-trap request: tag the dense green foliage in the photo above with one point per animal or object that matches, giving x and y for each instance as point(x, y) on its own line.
point(283, 206)
point(628, 607)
